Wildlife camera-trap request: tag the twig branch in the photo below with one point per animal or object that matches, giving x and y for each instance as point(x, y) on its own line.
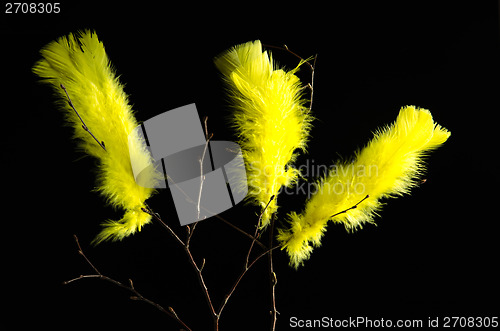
point(188, 198)
point(202, 176)
point(307, 61)
point(248, 265)
point(159, 220)
point(257, 231)
point(246, 234)
point(240, 277)
point(136, 294)
point(187, 249)
point(272, 278)
point(353, 207)
point(84, 126)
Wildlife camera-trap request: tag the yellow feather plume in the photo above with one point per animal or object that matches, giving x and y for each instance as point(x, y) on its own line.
point(270, 119)
point(80, 63)
point(388, 166)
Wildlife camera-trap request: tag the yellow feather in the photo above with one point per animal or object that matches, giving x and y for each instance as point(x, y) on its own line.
point(388, 166)
point(270, 119)
point(80, 63)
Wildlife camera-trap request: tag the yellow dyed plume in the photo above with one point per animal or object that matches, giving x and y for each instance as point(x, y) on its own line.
point(80, 63)
point(269, 117)
point(388, 166)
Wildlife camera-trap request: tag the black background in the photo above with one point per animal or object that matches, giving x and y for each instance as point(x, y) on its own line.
point(434, 253)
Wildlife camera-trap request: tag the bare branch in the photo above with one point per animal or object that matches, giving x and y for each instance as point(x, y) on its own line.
point(240, 277)
point(202, 176)
point(350, 208)
point(248, 265)
point(159, 220)
point(253, 238)
point(272, 278)
point(84, 126)
point(136, 294)
point(188, 198)
point(312, 67)
point(256, 232)
point(186, 247)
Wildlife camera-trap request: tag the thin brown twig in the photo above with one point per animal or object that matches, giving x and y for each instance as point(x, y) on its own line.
point(257, 231)
point(159, 220)
point(137, 295)
point(272, 278)
point(201, 280)
point(198, 269)
point(248, 265)
point(240, 277)
point(246, 234)
point(311, 66)
point(350, 208)
point(311, 84)
point(190, 231)
point(188, 198)
point(84, 126)
point(193, 263)
point(272, 274)
point(202, 176)
point(203, 285)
